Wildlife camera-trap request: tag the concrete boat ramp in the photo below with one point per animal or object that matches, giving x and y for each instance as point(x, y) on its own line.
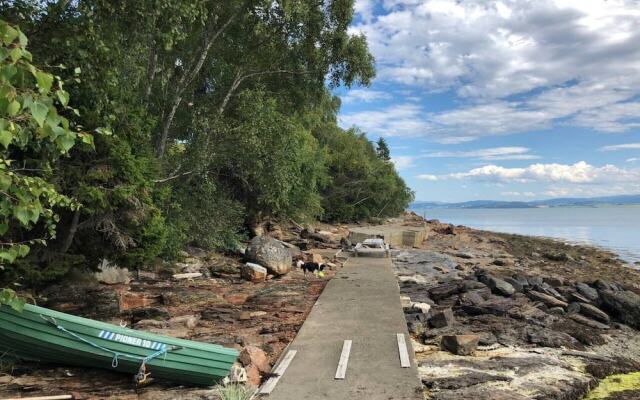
point(354, 344)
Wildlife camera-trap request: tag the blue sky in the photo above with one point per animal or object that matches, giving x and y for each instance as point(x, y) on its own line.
point(509, 100)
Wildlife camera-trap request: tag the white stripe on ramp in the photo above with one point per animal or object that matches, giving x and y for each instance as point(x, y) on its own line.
point(402, 349)
point(279, 371)
point(341, 372)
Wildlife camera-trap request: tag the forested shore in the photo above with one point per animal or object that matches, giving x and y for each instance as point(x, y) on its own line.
point(133, 129)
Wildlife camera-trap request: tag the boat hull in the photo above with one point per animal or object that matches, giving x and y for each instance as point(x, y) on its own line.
point(46, 335)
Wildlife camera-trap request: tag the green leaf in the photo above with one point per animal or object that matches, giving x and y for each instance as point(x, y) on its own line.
point(88, 139)
point(8, 255)
point(44, 81)
point(3, 228)
point(8, 34)
point(22, 214)
point(23, 250)
point(5, 138)
point(65, 142)
point(63, 96)
point(15, 54)
point(13, 108)
point(39, 112)
point(23, 39)
point(5, 182)
point(77, 70)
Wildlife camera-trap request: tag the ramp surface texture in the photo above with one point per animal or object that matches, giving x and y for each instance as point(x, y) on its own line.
point(361, 304)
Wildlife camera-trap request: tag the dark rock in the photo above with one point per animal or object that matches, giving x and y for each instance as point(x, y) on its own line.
point(463, 381)
point(546, 299)
point(446, 290)
point(416, 328)
point(497, 285)
point(593, 312)
point(462, 345)
point(573, 307)
point(550, 338)
point(442, 318)
point(524, 282)
point(464, 255)
point(474, 393)
point(501, 262)
point(535, 280)
point(149, 313)
point(474, 297)
point(549, 290)
point(579, 298)
point(517, 285)
point(587, 291)
point(554, 281)
point(560, 257)
point(623, 306)
point(472, 285)
point(588, 322)
point(603, 285)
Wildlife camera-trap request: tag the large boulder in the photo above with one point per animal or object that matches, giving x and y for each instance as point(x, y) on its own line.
point(623, 305)
point(269, 253)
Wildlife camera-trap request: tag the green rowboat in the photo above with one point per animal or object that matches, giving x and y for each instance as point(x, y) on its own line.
point(46, 335)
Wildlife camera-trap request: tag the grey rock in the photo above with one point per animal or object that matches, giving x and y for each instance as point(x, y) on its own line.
point(593, 312)
point(269, 253)
point(462, 345)
point(546, 299)
point(624, 306)
point(517, 285)
point(441, 319)
point(588, 322)
point(587, 291)
point(498, 286)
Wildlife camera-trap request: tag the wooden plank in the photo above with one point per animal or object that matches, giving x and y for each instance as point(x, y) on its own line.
point(341, 371)
point(268, 387)
point(402, 349)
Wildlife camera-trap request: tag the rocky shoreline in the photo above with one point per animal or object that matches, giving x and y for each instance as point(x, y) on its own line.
point(501, 317)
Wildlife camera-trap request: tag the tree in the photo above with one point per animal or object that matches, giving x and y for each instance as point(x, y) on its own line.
point(35, 132)
point(382, 149)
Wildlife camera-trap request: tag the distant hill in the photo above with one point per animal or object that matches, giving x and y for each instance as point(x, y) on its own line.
point(559, 202)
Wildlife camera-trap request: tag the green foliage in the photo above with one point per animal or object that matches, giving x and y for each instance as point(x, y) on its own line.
point(34, 134)
point(216, 115)
point(363, 185)
point(11, 299)
point(234, 391)
point(382, 149)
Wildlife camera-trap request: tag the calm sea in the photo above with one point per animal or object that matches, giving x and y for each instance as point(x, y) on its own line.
point(616, 228)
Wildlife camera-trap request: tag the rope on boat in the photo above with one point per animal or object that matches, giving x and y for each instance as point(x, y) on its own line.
point(141, 376)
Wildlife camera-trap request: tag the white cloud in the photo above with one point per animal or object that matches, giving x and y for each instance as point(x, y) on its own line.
point(578, 173)
point(625, 146)
point(397, 120)
point(364, 96)
point(427, 177)
point(519, 65)
point(403, 162)
point(495, 153)
point(518, 194)
point(633, 159)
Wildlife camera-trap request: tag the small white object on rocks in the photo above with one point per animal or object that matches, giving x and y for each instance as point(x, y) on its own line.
point(424, 307)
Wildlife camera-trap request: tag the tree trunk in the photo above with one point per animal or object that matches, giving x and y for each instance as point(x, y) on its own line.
point(68, 240)
point(185, 81)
